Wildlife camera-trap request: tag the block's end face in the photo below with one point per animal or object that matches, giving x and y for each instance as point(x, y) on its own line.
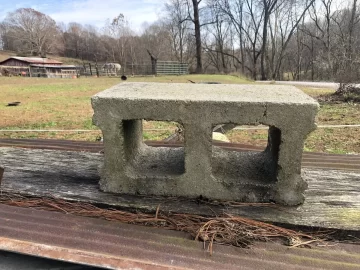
point(100, 109)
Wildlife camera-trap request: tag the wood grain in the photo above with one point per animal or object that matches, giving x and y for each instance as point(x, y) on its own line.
point(332, 200)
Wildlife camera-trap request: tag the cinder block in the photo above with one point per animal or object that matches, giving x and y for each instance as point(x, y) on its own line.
point(199, 168)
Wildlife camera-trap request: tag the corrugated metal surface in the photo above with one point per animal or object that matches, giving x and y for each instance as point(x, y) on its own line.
point(54, 66)
point(310, 160)
point(37, 60)
point(121, 246)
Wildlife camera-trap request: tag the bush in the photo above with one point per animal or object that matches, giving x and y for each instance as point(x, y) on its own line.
point(348, 92)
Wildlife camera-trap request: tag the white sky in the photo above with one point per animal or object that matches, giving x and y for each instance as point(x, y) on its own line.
point(94, 12)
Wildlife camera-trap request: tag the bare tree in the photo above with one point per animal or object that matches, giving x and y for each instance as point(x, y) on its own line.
point(73, 40)
point(246, 17)
point(118, 29)
point(34, 32)
point(286, 19)
point(196, 21)
point(157, 40)
point(321, 29)
point(269, 7)
point(217, 44)
point(178, 24)
point(347, 35)
point(5, 39)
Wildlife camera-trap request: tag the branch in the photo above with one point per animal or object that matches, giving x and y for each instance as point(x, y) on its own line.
point(231, 55)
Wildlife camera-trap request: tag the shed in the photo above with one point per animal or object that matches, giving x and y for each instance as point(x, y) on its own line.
point(53, 71)
point(21, 65)
point(16, 61)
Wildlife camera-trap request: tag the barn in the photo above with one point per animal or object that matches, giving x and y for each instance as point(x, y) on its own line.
point(53, 71)
point(16, 61)
point(36, 67)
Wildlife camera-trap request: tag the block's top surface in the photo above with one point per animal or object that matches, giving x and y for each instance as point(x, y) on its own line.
point(280, 94)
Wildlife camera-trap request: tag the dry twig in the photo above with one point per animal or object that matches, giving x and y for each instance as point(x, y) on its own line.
point(226, 230)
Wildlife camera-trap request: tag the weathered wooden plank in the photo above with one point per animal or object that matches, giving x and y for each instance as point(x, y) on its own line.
point(309, 160)
point(332, 200)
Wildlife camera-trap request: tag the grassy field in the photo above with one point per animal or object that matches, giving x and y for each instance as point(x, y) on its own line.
point(65, 104)
point(5, 55)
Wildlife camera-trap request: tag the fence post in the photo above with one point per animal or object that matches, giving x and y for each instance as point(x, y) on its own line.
point(90, 69)
point(96, 69)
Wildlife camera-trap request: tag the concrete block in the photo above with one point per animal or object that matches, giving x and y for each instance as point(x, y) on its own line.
point(199, 168)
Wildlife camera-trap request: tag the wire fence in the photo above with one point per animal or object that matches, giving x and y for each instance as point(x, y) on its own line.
point(171, 68)
point(98, 70)
point(131, 69)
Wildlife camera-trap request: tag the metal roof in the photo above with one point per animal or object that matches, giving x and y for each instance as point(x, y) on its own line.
point(34, 60)
point(54, 66)
point(122, 246)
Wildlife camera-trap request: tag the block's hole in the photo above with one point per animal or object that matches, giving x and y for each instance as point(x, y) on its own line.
point(168, 132)
point(254, 161)
point(249, 136)
point(145, 151)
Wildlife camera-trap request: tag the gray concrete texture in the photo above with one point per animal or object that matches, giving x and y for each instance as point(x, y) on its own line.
point(199, 168)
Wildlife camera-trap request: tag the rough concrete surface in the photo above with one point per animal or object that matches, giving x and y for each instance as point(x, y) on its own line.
point(199, 168)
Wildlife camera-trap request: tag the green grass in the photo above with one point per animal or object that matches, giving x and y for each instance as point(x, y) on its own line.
point(315, 91)
point(202, 78)
point(329, 140)
point(65, 104)
point(339, 114)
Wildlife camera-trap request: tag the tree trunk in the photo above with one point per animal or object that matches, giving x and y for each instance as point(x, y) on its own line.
point(349, 51)
point(153, 62)
point(90, 69)
point(197, 36)
point(263, 49)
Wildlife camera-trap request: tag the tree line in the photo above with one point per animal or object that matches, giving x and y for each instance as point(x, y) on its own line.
point(262, 39)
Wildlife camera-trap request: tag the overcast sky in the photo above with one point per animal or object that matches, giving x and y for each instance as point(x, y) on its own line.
point(94, 12)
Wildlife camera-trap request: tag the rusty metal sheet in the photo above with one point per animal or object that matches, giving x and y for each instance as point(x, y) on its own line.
point(36, 60)
point(122, 246)
point(310, 159)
